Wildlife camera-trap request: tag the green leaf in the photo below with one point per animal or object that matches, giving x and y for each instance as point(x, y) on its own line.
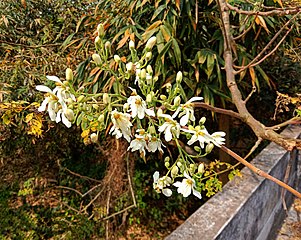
point(177, 52)
point(158, 11)
point(210, 64)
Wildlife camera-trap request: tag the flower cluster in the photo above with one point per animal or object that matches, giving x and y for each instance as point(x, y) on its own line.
point(141, 114)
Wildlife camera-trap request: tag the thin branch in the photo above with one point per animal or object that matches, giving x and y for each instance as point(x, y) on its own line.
point(290, 121)
point(77, 174)
point(29, 46)
point(250, 95)
point(260, 172)
point(267, 46)
point(217, 110)
point(275, 12)
point(121, 211)
point(259, 140)
point(130, 181)
point(244, 32)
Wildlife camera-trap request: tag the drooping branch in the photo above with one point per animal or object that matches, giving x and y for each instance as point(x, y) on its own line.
point(260, 172)
point(258, 128)
point(275, 12)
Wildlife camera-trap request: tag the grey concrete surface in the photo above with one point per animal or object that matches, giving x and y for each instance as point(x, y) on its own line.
point(248, 208)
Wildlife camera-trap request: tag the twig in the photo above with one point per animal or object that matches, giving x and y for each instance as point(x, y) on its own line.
point(121, 211)
point(259, 140)
point(28, 46)
point(217, 110)
point(275, 12)
point(108, 210)
point(260, 172)
point(254, 61)
point(250, 95)
point(77, 174)
point(286, 178)
point(290, 121)
point(130, 181)
point(244, 32)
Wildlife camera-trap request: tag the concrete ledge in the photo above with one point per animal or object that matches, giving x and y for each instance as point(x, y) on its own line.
point(248, 208)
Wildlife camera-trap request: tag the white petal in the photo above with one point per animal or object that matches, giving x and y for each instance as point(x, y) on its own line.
point(178, 184)
point(140, 112)
point(193, 139)
point(42, 108)
point(196, 193)
point(156, 176)
point(54, 78)
point(150, 112)
point(167, 192)
point(58, 116)
point(195, 99)
point(184, 119)
point(66, 121)
point(43, 88)
point(168, 134)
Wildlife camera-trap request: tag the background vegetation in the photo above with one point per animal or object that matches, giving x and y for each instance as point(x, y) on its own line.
point(39, 38)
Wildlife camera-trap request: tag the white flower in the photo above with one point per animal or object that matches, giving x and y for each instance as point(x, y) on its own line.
point(186, 186)
point(200, 134)
point(155, 144)
point(139, 143)
point(161, 183)
point(61, 90)
point(121, 125)
point(187, 112)
point(169, 127)
point(61, 115)
point(138, 107)
point(218, 138)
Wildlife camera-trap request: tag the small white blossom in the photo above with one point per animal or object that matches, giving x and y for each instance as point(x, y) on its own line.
point(161, 183)
point(199, 134)
point(139, 143)
point(155, 144)
point(186, 186)
point(218, 138)
point(138, 107)
point(121, 125)
point(186, 111)
point(169, 127)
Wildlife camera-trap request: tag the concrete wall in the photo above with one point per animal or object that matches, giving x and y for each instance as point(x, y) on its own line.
point(248, 208)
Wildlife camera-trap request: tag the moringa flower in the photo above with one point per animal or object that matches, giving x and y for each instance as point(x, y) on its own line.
point(138, 106)
point(186, 186)
point(139, 143)
point(199, 134)
point(186, 112)
point(121, 125)
point(169, 127)
point(161, 183)
point(218, 138)
point(155, 144)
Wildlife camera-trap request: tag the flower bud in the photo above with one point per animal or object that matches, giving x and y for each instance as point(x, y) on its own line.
point(94, 137)
point(149, 69)
point(100, 30)
point(155, 79)
point(69, 114)
point(117, 58)
point(96, 58)
point(80, 98)
point(65, 83)
point(97, 40)
point(174, 171)
point(167, 164)
point(131, 45)
point(163, 97)
point(167, 159)
point(126, 107)
point(95, 106)
point(177, 100)
point(201, 168)
point(202, 121)
point(149, 98)
point(101, 118)
point(150, 43)
point(159, 112)
point(179, 164)
point(152, 130)
point(69, 74)
point(108, 45)
point(192, 167)
point(179, 77)
point(197, 148)
point(143, 74)
point(129, 67)
point(105, 98)
point(209, 147)
point(148, 56)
